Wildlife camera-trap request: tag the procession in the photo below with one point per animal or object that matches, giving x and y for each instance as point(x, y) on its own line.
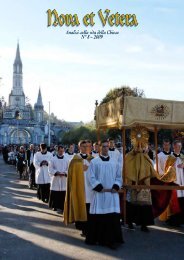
point(105, 185)
point(84, 184)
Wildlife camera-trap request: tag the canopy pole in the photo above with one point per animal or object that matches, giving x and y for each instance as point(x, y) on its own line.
point(123, 174)
point(98, 135)
point(124, 149)
point(156, 147)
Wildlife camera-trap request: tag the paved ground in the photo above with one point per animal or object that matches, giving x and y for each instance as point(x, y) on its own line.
point(29, 230)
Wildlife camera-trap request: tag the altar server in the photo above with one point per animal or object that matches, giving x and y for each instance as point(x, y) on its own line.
point(104, 219)
point(42, 178)
point(58, 170)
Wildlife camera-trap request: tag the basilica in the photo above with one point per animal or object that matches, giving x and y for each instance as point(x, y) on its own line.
point(20, 123)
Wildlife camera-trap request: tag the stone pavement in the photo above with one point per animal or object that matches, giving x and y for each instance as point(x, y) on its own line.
point(29, 230)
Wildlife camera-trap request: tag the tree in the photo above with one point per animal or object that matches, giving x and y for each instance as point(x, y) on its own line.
point(76, 134)
point(82, 133)
point(112, 95)
point(122, 91)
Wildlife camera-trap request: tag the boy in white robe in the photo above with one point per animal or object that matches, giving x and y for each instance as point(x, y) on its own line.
point(41, 162)
point(104, 219)
point(95, 152)
point(113, 152)
point(69, 153)
point(58, 170)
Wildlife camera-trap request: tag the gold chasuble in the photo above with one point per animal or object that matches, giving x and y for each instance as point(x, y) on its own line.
point(139, 168)
point(75, 204)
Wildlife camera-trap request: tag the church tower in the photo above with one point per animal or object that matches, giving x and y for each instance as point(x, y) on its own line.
point(17, 96)
point(38, 108)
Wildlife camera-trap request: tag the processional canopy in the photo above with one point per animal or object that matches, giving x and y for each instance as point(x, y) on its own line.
point(131, 111)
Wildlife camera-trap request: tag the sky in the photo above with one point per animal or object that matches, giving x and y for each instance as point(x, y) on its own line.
point(73, 72)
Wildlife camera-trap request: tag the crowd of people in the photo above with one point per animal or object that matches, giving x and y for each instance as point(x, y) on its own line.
point(82, 184)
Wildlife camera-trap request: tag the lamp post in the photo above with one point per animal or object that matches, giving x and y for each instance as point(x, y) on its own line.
point(18, 117)
point(49, 127)
point(17, 131)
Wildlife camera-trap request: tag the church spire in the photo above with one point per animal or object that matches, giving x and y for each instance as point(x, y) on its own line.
point(38, 108)
point(17, 97)
point(17, 57)
point(39, 99)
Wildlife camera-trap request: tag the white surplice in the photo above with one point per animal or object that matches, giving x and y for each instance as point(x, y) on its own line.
point(58, 183)
point(115, 154)
point(179, 177)
point(95, 154)
point(69, 156)
point(106, 173)
point(42, 174)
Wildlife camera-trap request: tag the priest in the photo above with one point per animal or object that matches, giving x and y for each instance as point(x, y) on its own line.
point(139, 171)
point(78, 195)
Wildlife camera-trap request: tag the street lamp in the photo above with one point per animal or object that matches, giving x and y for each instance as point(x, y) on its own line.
point(49, 127)
point(18, 117)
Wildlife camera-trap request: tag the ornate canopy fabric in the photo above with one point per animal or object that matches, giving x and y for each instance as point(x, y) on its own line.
point(108, 115)
point(145, 111)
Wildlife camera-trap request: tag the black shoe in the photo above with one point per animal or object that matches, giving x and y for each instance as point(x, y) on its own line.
point(112, 246)
point(172, 223)
point(82, 235)
point(60, 211)
point(130, 226)
point(89, 243)
point(144, 229)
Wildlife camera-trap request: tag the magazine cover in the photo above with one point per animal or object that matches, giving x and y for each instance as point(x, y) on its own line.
point(91, 129)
